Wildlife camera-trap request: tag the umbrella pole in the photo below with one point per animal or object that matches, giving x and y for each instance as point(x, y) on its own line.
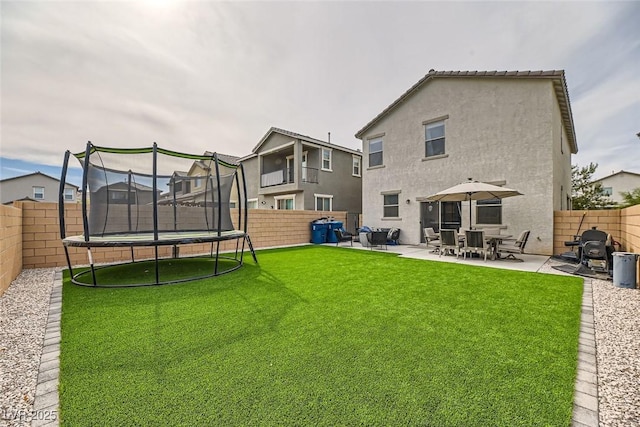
point(469, 194)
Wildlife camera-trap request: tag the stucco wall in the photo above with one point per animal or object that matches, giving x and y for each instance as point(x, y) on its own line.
point(340, 183)
point(496, 131)
point(11, 246)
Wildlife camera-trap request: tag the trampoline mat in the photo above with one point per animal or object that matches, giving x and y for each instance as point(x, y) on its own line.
point(147, 239)
point(581, 270)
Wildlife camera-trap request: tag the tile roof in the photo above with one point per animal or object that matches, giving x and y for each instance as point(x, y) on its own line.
point(557, 76)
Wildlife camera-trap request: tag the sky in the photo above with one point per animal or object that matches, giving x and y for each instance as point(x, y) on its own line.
point(202, 76)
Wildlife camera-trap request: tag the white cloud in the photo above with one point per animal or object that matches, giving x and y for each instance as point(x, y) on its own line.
point(198, 76)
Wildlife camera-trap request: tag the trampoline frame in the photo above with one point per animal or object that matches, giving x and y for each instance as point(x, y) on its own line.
point(156, 238)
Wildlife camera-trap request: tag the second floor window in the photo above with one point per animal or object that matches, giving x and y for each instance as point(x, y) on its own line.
point(434, 139)
point(326, 159)
point(356, 166)
point(38, 193)
point(607, 191)
point(375, 152)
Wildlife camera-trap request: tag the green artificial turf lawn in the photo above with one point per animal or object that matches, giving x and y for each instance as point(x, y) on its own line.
point(325, 336)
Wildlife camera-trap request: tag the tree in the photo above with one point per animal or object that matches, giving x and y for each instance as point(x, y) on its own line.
point(585, 194)
point(631, 197)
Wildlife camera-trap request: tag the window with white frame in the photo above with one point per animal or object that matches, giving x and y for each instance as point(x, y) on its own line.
point(391, 207)
point(489, 211)
point(252, 204)
point(326, 159)
point(375, 152)
point(356, 166)
point(434, 138)
point(607, 191)
point(286, 202)
point(38, 193)
point(69, 194)
point(324, 202)
point(197, 182)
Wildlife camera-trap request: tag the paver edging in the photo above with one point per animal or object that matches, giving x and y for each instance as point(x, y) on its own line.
point(46, 405)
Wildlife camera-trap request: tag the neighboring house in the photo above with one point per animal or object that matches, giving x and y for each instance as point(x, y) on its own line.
point(189, 187)
point(36, 186)
point(123, 193)
point(616, 183)
point(287, 170)
point(513, 129)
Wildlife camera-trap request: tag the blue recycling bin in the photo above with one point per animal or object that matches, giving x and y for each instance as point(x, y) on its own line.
point(318, 232)
point(331, 235)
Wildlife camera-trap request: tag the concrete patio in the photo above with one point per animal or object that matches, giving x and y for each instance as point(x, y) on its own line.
point(531, 263)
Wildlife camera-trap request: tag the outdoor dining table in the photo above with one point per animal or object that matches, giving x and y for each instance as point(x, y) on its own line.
point(492, 239)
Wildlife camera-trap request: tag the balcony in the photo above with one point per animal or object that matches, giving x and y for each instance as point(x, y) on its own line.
point(287, 176)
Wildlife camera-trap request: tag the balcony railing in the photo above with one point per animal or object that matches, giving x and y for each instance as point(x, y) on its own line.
point(310, 175)
point(286, 176)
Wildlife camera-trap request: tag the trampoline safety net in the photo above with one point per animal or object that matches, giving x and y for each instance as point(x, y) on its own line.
point(151, 193)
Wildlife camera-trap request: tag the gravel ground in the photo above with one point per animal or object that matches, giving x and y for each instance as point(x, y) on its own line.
point(24, 309)
point(617, 322)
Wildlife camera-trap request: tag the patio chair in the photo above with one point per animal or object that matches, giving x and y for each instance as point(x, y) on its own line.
point(431, 236)
point(393, 235)
point(377, 238)
point(474, 243)
point(510, 247)
point(343, 236)
point(449, 242)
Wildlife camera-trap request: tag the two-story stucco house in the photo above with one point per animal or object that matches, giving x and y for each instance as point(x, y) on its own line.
point(618, 182)
point(36, 186)
point(287, 170)
point(513, 129)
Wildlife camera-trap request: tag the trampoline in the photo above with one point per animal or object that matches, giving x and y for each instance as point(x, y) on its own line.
point(153, 197)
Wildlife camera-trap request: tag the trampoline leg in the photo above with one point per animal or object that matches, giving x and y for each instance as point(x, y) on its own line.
point(217, 256)
point(93, 270)
point(253, 253)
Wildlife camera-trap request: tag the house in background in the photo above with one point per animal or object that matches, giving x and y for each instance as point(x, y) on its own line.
point(36, 186)
point(287, 170)
point(192, 188)
point(618, 182)
point(513, 129)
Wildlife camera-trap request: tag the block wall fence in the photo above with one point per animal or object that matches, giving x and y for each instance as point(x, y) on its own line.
point(33, 238)
point(30, 235)
point(11, 246)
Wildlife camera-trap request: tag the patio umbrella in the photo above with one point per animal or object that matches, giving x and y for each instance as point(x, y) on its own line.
point(472, 190)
